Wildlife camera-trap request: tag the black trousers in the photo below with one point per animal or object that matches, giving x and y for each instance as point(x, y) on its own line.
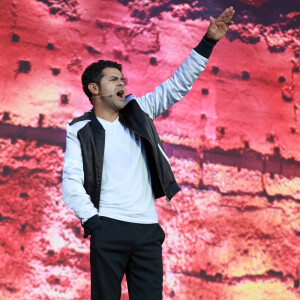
point(119, 248)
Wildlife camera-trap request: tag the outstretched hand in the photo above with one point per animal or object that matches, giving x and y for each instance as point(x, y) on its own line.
point(218, 27)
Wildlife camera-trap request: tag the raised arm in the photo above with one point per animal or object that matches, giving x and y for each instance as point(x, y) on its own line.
point(175, 88)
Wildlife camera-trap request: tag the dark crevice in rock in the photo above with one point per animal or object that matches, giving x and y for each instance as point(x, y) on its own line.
point(50, 46)
point(55, 71)
point(220, 278)
point(181, 151)
point(49, 136)
point(35, 171)
point(91, 50)
point(253, 160)
point(15, 38)
point(5, 219)
point(6, 116)
point(23, 157)
point(6, 170)
point(66, 8)
point(24, 66)
point(64, 99)
point(240, 158)
point(262, 194)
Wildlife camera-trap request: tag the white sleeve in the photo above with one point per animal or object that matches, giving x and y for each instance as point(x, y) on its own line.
point(73, 191)
point(175, 88)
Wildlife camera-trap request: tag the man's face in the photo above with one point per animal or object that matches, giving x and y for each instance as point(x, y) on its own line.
point(112, 89)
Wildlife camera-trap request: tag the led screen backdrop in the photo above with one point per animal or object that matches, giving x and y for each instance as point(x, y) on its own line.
point(233, 232)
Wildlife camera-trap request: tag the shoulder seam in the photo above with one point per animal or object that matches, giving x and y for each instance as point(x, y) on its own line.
point(84, 117)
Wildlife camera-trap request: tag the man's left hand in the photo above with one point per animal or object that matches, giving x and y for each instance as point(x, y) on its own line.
point(218, 27)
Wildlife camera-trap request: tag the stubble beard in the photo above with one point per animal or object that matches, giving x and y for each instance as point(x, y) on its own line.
point(118, 104)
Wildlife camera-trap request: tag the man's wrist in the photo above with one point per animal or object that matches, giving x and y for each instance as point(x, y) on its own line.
point(210, 39)
point(205, 46)
point(91, 224)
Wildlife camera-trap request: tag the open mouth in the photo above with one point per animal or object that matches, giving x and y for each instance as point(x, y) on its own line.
point(120, 93)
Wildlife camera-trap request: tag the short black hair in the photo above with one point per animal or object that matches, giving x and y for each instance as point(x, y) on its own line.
point(93, 74)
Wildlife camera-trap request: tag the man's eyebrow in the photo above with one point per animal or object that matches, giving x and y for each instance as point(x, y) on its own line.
point(115, 76)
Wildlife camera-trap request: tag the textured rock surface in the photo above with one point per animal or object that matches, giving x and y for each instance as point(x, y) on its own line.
point(233, 232)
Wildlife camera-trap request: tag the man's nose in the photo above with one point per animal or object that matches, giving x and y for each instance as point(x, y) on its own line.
point(121, 83)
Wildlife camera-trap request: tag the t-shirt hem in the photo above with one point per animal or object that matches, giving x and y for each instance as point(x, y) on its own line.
point(130, 220)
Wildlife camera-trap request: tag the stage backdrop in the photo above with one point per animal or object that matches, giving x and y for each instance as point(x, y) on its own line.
point(233, 232)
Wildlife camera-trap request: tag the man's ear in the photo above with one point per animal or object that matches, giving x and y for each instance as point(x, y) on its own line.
point(94, 88)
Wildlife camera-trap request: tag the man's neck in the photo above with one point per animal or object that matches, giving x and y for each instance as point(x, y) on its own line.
point(109, 116)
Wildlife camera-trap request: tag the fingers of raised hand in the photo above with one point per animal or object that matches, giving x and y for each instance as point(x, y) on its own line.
point(212, 20)
point(226, 16)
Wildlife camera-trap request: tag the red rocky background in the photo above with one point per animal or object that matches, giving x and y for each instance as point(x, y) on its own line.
point(233, 232)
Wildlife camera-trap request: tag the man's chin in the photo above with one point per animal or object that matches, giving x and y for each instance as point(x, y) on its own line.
point(120, 106)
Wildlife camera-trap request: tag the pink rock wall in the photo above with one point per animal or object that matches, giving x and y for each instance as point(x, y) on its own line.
point(233, 232)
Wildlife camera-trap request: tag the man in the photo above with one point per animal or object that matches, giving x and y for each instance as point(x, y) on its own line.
point(115, 167)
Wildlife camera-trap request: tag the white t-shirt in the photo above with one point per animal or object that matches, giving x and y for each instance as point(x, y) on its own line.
point(126, 192)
